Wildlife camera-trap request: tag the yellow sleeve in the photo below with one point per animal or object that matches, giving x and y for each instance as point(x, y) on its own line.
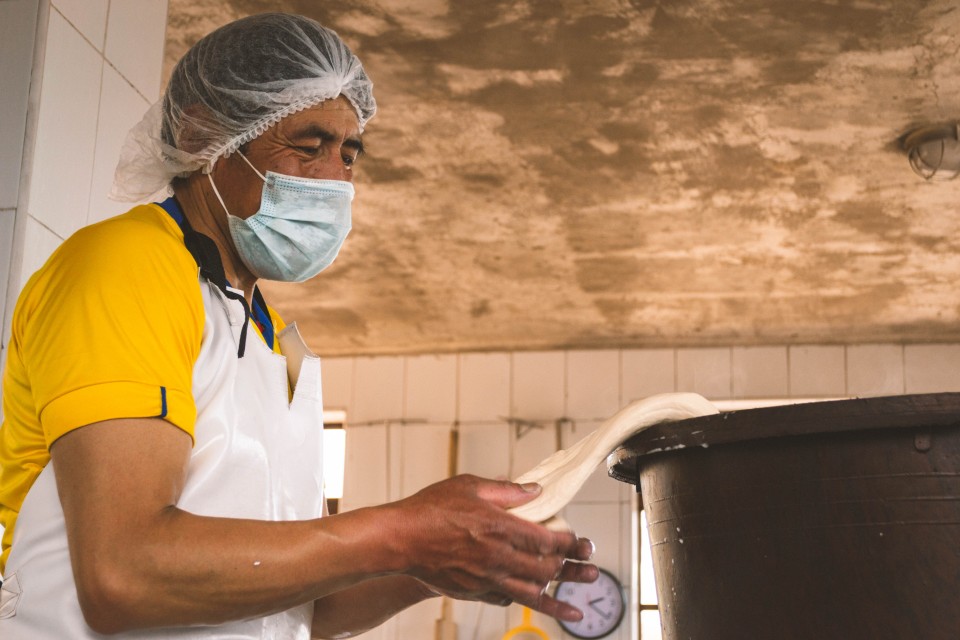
point(112, 325)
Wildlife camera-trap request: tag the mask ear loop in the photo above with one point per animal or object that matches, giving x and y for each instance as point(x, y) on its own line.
point(229, 292)
point(250, 164)
point(216, 192)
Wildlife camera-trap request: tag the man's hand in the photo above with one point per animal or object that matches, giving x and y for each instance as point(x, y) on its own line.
point(458, 539)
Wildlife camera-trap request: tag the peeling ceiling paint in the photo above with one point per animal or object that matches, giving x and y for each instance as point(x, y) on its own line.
point(635, 173)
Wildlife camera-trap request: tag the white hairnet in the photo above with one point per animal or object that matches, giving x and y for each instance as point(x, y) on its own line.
point(229, 88)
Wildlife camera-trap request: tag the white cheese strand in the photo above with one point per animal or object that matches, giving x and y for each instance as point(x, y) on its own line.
point(562, 474)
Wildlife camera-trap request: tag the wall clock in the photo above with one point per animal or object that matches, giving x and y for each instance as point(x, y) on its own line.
point(602, 602)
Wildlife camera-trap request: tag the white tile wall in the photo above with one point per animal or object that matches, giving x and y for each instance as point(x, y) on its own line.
point(66, 129)
point(599, 487)
point(484, 389)
point(875, 370)
point(337, 381)
point(89, 17)
point(134, 45)
point(646, 372)
point(17, 29)
point(705, 371)
point(484, 450)
point(593, 384)
point(548, 386)
point(479, 621)
point(932, 368)
point(71, 94)
point(378, 390)
point(395, 461)
point(121, 107)
point(38, 243)
point(600, 523)
point(817, 371)
point(759, 372)
point(365, 470)
point(429, 445)
point(538, 385)
point(531, 445)
point(431, 388)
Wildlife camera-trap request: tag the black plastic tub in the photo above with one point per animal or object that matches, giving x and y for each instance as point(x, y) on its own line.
point(811, 521)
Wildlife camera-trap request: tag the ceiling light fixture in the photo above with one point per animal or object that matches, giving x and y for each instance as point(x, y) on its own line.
point(934, 151)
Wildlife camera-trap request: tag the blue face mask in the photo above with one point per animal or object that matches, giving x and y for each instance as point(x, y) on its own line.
point(298, 230)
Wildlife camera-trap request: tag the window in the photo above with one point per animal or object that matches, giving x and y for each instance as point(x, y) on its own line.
point(334, 455)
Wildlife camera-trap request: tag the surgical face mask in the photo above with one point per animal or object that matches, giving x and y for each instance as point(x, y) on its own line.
point(298, 230)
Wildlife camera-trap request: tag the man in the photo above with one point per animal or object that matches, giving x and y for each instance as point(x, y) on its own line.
point(160, 458)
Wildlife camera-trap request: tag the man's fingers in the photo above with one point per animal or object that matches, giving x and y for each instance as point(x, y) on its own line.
point(578, 572)
point(507, 494)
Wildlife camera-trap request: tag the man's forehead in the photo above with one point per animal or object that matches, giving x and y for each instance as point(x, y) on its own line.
point(337, 113)
point(335, 104)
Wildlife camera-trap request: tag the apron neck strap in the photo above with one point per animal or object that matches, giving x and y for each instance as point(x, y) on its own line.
point(207, 256)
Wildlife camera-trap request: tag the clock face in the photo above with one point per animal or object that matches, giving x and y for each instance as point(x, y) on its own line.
point(601, 601)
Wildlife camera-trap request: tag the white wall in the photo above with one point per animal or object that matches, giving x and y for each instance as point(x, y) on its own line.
point(80, 73)
point(400, 411)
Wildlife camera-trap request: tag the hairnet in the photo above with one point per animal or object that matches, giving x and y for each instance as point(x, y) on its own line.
point(229, 88)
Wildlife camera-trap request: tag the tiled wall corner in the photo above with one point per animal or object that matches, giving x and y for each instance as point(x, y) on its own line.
point(7, 218)
point(931, 368)
point(431, 388)
point(593, 384)
point(378, 389)
point(18, 26)
point(759, 372)
point(134, 44)
point(538, 385)
point(817, 371)
point(89, 17)
point(483, 394)
point(705, 371)
point(337, 381)
point(875, 370)
point(63, 151)
point(646, 372)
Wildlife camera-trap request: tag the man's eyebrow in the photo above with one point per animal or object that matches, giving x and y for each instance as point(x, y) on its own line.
point(317, 131)
point(355, 143)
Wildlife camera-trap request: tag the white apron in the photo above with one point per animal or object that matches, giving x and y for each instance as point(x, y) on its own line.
point(256, 456)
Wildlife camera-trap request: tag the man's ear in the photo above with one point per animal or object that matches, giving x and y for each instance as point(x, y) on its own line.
point(195, 129)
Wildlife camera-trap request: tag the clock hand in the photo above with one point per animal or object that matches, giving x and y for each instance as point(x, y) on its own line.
point(593, 606)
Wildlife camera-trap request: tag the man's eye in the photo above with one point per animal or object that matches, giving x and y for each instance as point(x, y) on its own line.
point(349, 160)
point(309, 150)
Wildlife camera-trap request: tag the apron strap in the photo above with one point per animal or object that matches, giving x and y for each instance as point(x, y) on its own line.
point(207, 257)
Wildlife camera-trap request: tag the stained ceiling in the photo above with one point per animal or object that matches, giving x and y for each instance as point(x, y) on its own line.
point(635, 173)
